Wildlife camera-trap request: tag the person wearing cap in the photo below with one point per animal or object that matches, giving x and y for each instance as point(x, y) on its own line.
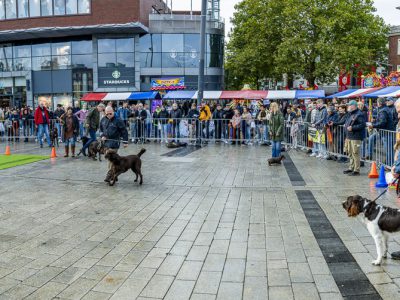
point(355, 127)
point(390, 105)
point(92, 124)
point(384, 121)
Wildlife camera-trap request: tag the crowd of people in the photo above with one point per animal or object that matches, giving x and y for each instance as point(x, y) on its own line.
point(329, 129)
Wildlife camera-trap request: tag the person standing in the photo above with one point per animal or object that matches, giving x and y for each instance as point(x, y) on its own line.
point(57, 116)
point(92, 123)
point(276, 129)
point(113, 130)
point(123, 113)
point(81, 115)
point(217, 117)
point(42, 122)
point(71, 131)
point(205, 116)
point(355, 127)
point(176, 115)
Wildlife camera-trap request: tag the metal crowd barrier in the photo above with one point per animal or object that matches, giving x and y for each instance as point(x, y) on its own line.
point(378, 145)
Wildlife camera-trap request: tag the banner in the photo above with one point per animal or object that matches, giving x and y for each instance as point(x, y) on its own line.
point(175, 83)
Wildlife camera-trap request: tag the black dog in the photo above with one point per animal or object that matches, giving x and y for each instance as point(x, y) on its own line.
point(54, 137)
point(121, 164)
point(276, 160)
point(96, 147)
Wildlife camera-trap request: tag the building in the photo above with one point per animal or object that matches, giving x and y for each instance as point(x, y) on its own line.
point(60, 50)
point(394, 49)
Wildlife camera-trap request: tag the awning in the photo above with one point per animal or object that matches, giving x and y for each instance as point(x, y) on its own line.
point(116, 96)
point(249, 95)
point(343, 93)
point(313, 94)
point(281, 95)
point(209, 95)
point(359, 93)
point(180, 95)
point(93, 97)
point(391, 91)
point(144, 96)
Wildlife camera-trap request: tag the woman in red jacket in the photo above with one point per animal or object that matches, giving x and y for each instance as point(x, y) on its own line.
point(42, 121)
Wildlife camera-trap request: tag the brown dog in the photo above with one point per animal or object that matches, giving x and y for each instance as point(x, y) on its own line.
point(276, 160)
point(121, 164)
point(96, 147)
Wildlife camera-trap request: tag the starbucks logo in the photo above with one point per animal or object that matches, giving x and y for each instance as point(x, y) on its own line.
point(116, 74)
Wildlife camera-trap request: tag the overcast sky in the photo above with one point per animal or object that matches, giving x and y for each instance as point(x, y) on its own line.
point(386, 9)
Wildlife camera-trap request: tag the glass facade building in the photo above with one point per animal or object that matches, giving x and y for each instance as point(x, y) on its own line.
point(61, 69)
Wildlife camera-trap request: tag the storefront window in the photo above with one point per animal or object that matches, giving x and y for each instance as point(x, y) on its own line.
point(172, 43)
point(82, 61)
point(61, 48)
point(126, 60)
point(45, 99)
point(106, 45)
point(82, 47)
point(22, 51)
point(150, 60)
point(107, 60)
point(173, 60)
point(64, 100)
point(41, 50)
point(125, 45)
point(23, 8)
point(41, 63)
point(150, 43)
point(47, 7)
point(2, 11)
point(72, 8)
point(59, 7)
point(192, 43)
point(34, 8)
point(61, 62)
point(22, 64)
point(84, 6)
point(82, 81)
point(11, 9)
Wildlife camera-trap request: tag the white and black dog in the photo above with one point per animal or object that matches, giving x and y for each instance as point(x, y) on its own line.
point(380, 221)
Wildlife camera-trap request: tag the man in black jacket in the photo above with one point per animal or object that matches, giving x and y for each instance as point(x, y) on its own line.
point(176, 116)
point(113, 130)
point(218, 116)
point(194, 124)
point(141, 116)
point(355, 131)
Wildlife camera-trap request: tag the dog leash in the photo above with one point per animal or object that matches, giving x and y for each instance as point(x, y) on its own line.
point(384, 192)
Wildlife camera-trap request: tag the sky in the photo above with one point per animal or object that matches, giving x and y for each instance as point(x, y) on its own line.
point(385, 9)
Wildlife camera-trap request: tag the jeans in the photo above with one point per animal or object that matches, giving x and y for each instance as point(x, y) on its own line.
point(148, 130)
point(133, 130)
point(262, 133)
point(276, 149)
point(81, 129)
point(388, 143)
point(164, 132)
point(43, 129)
point(175, 132)
point(371, 144)
point(92, 134)
point(71, 141)
point(58, 126)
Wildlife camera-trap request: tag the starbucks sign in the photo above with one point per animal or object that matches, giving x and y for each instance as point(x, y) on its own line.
point(116, 77)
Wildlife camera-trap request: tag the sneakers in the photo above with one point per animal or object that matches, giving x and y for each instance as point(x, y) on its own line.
point(347, 171)
point(354, 174)
point(313, 154)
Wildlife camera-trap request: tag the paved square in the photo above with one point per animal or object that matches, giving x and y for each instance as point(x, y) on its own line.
point(214, 224)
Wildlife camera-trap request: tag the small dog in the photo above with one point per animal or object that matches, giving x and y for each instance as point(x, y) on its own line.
point(54, 137)
point(121, 164)
point(276, 160)
point(96, 147)
point(380, 221)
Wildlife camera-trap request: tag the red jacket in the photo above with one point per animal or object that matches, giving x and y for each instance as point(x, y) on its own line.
point(39, 116)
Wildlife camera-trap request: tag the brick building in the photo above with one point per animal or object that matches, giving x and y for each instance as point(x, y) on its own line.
point(60, 50)
point(394, 48)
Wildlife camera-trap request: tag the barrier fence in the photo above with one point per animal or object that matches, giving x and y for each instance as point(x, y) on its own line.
point(329, 141)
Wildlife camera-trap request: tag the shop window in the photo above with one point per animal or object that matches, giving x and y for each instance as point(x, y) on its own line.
point(172, 43)
point(82, 47)
point(126, 60)
point(108, 60)
point(150, 60)
point(59, 7)
point(82, 61)
point(46, 7)
point(150, 43)
point(11, 9)
point(41, 50)
point(61, 48)
point(23, 8)
point(173, 60)
point(125, 45)
point(106, 45)
point(192, 43)
point(71, 7)
point(34, 8)
point(61, 62)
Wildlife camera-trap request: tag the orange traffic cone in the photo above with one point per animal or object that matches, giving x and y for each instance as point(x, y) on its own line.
point(8, 151)
point(53, 153)
point(373, 173)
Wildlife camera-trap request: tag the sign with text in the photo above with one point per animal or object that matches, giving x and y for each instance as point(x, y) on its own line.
point(116, 77)
point(168, 83)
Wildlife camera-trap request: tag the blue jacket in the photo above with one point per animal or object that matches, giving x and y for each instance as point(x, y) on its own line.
point(123, 113)
point(321, 118)
point(113, 130)
point(333, 117)
point(384, 119)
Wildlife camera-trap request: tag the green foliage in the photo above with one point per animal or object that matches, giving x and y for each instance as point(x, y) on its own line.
point(313, 38)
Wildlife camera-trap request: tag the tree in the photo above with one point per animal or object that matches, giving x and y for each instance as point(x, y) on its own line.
point(313, 38)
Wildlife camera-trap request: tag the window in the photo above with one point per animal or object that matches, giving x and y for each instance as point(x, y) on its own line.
point(82, 47)
point(34, 8)
point(72, 8)
point(22, 51)
point(2, 11)
point(150, 60)
point(82, 61)
point(11, 9)
point(150, 43)
point(192, 43)
point(173, 60)
point(59, 7)
point(106, 45)
point(41, 50)
point(61, 48)
point(61, 62)
point(47, 7)
point(84, 6)
point(41, 63)
point(125, 45)
point(398, 47)
point(108, 60)
point(23, 8)
point(22, 64)
point(126, 60)
point(172, 43)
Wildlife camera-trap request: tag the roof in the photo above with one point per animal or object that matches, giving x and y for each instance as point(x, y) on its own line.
point(313, 94)
point(391, 91)
point(180, 95)
point(52, 32)
point(281, 95)
point(144, 96)
point(94, 97)
point(343, 93)
point(209, 95)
